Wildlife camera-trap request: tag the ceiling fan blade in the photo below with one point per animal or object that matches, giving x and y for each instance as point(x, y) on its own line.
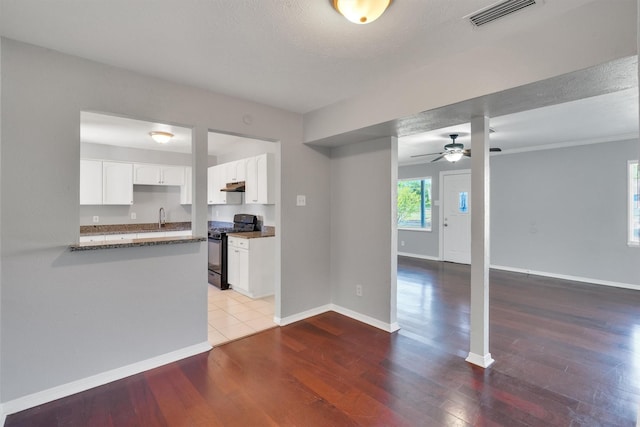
point(467, 152)
point(422, 155)
point(437, 158)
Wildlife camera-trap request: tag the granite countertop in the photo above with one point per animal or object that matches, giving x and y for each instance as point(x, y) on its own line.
point(253, 234)
point(91, 230)
point(130, 243)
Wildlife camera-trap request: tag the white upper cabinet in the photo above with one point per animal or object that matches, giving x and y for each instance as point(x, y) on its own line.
point(186, 190)
point(147, 174)
point(260, 180)
point(172, 175)
point(235, 171)
point(216, 180)
point(117, 183)
point(90, 182)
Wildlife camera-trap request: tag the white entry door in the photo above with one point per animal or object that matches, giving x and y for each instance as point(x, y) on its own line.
point(456, 218)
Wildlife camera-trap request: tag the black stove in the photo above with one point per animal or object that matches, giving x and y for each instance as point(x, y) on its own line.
point(218, 232)
point(241, 223)
point(218, 247)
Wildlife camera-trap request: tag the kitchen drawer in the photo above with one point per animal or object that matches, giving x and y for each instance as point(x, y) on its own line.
point(123, 236)
point(178, 233)
point(238, 242)
point(151, 235)
point(94, 238)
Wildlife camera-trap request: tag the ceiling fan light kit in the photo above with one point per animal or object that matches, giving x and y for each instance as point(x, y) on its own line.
point(453, 156)
point(361, 11)
point(454, 151)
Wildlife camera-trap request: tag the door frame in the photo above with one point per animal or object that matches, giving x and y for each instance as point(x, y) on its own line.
point(441, 205)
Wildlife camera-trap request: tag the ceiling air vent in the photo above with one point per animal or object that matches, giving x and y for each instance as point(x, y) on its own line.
point(499, 10)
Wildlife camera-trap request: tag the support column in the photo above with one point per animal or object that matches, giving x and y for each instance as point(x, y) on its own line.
point(199, 163)
point(479, 322)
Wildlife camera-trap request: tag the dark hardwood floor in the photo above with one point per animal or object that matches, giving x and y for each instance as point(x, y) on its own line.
point(567, 354)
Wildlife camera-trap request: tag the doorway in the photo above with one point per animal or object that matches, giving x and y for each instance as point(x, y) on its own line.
point(455, 233)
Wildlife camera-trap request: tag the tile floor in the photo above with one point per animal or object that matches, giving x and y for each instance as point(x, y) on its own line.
point(233, 315)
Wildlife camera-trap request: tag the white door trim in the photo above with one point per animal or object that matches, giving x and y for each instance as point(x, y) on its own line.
point(440, 206)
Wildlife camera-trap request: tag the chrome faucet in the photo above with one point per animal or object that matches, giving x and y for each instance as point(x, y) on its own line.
point(161, 218)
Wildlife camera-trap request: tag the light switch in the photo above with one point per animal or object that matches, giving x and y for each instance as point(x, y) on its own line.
point(301, 200)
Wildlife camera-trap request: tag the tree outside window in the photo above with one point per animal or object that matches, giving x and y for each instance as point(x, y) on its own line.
point(414, 203)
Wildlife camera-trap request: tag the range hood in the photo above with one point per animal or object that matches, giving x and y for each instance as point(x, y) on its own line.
point(234, 187)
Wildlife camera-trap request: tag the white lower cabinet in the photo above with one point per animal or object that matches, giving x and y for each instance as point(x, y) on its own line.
point(96, 238)
point(131, 236)
point(152, 235)
point(250, 265)
point(123, 236)
point(178, 233)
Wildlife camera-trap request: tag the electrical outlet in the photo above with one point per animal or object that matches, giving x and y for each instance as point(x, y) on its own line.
point(96, 218)
point(133, 215)
point(359, 290)
point(301, 200)
point(401, 242)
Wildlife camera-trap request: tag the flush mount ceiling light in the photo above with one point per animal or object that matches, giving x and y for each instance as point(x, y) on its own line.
point(161, 137)
point(361, 11)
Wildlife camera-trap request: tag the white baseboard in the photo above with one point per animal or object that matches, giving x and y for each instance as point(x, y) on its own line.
point(478, 360)
point(42, 397)
point(387, 327)
point(568, 277)
point(303, 315)
point(431, 258)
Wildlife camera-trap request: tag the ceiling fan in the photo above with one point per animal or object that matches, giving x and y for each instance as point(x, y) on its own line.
point(454, 151)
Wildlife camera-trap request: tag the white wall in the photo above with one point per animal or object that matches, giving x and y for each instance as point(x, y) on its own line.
point(361, 206)
point(561, 211)
point(92, 312)
point(1, 133)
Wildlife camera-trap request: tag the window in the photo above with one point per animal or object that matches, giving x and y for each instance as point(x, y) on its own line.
point(634, 204)
point(414, 203)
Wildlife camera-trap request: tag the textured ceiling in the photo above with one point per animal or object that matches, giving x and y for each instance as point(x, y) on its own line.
point(301, 55)
point(298, 55)
point(97, 128)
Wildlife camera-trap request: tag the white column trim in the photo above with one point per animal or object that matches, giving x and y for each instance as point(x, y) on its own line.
point(480, 236)
point(478, 360)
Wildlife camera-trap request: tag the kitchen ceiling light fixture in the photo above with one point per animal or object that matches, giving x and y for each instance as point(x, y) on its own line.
point(361, 11)
point(161, 137)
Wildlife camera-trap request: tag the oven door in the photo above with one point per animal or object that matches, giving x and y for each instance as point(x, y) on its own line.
point(217, 263)
point(215, 255)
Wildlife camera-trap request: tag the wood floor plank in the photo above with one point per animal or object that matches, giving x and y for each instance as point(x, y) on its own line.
point(567, 354)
